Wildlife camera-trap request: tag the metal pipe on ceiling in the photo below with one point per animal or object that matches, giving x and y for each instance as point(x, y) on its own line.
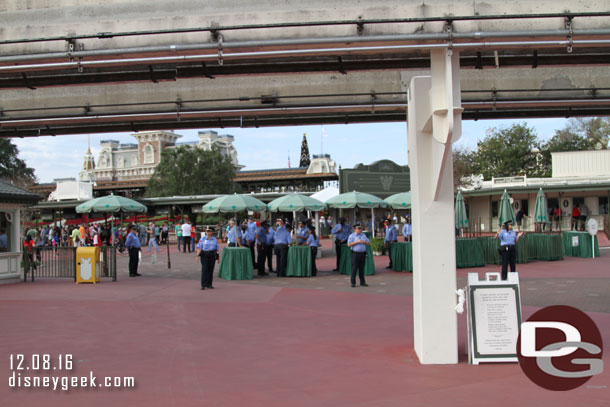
point(306, 41)
point(314, 51)
point(358, 22)
point(280, 110)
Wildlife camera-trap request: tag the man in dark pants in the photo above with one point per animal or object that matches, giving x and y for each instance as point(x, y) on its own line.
point(391, 237)
point(341, 232)
point(133, 246)
point(357, 242)
point(261, 246)
point(282, 241)
point(508, 247)
point(269, 248)
point(207, 251)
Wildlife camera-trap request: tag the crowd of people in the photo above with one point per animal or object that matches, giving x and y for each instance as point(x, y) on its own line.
point(263, 239)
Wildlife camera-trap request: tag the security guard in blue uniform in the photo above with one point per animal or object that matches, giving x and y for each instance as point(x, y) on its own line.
point(234, 235)
point(508, 247)
point(207, 252)
point(261, 246)
point(357, 242)
point(283, 240)
point(251, 238)
point(391, 237)
point(132, 243)
point(341, 231)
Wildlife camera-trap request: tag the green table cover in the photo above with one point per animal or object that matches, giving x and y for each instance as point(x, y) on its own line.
point(469, 253)
point(490, 246)
point(235, 264)
point(583, 247)
point(543, 246)
point(345, 262)
point(299, 261)
point(402, 256)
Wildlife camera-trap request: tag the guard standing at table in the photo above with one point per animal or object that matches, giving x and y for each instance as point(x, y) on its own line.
point(250, 237)
point(407, 230)
point(234, 235)
point(341, 232)
point(282, 242)
point(313, 241)
point(302, 233)
point(357, 242)
point(132, 243)
point(207, 251)
point(270, 236)
point(391, 237)
point(261, 246)
point(508, 247)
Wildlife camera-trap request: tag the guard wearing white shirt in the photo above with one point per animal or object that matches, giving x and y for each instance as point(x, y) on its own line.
point(357, 242)
point(207, 251)
point(186, 236)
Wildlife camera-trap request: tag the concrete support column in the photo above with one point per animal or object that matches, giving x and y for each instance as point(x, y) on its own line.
point(434, 122)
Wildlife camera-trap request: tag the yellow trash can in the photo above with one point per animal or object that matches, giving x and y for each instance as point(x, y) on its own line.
point(88, 265)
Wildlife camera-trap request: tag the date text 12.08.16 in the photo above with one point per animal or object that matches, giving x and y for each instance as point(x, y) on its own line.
point(37, 361)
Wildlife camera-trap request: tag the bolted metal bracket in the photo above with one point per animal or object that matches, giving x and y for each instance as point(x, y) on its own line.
point(220, 57)
point(449, 31)
point(568, 25)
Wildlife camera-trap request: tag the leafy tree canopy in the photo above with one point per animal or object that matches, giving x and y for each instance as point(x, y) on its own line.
point(192, 171)
point(507, 151)
point(516, 150)
point(12, 168)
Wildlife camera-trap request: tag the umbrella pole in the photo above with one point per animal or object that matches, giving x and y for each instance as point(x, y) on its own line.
point(294, 218)
point(372, 222)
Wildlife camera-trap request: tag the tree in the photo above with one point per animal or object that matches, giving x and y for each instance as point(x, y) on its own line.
point(305, 160)
point(508, 151)
point(462, 166)
point(192, 171)
point(13, 169)
point(580, 134)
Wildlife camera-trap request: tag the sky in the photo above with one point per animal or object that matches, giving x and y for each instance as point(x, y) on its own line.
point(270, 147)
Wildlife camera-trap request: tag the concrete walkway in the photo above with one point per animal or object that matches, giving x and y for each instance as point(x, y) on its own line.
point(275, 341)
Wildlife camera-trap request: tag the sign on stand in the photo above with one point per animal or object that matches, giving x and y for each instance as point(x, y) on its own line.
point(592, 228)
point(494, 318)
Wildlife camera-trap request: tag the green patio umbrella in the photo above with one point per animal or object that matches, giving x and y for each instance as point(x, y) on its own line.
point(399, 201)
point(461, 219)
point(541, 211)
point(295, 203)
point(111, 204)
point(234, 203)
point(505, 212)
point(358, 199)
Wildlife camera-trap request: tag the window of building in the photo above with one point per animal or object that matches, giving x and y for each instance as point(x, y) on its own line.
point(134, 161)
point(603, 205)
point(120, 162)
point(149, 154)
point(494, 209)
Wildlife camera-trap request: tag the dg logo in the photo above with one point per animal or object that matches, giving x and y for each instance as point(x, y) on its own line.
point(560, 348)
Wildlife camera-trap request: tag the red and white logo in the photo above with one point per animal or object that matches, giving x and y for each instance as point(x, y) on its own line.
point(560, 348)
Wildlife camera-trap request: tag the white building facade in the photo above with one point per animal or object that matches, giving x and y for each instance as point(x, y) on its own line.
point(137, 161)
point(580, 178)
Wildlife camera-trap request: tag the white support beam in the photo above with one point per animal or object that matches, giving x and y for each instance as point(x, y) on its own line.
point(434, 122)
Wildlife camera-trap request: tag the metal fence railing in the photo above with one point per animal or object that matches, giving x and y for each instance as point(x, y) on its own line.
point(60, 262)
